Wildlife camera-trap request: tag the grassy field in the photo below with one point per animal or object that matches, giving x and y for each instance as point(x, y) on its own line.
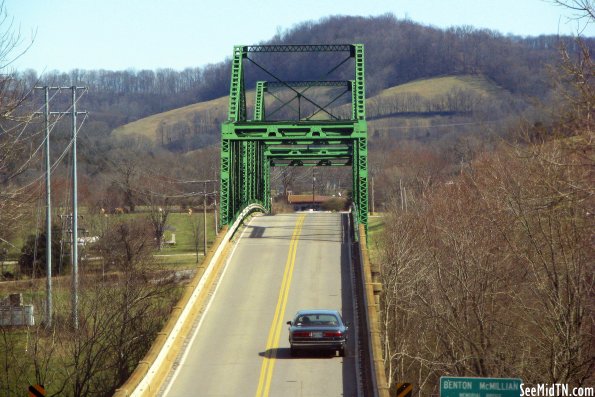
point(182, 225)
point(148, 126)
point(375, 230)
point(183, 253)
point(428, 88)
point(180, 255)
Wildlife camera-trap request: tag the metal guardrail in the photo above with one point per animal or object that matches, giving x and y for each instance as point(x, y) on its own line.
point(355, 218)
point(372, 364)
point(150, 373)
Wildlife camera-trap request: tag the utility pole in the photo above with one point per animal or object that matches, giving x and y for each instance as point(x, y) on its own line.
point(47, 114)
point(372, 195)
point(48, 212)
point(215, 212)
point(75, 271)
point(204, 211)
point(75, 225)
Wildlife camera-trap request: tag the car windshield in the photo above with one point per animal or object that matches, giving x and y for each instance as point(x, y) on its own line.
point(316, 319)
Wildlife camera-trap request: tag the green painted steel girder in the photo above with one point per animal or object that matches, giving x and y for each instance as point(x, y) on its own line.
point(259, 101)
point(250, 147)
point(295, 130)
point(308, 83)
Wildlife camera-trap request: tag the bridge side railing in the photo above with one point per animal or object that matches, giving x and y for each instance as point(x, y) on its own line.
point(371, 362)
point(153, 369)
point(355, 221)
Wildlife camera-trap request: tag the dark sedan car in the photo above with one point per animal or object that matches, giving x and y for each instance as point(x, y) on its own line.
point(318, 330)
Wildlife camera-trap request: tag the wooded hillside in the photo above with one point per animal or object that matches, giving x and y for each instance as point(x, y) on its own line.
point(455, 91)
point(397, 52)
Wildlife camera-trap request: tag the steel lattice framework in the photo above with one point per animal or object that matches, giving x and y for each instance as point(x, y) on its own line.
point(250, 147)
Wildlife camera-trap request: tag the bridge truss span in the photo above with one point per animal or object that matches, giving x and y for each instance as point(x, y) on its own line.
point(315, 137)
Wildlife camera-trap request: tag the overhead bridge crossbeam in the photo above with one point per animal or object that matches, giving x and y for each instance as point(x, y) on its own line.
point(317, 155)
point(301, 48)
point(269, 86)
point(308, 83)
point(249, 147)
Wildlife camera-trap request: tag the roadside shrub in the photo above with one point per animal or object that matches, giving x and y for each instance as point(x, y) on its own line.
point(335, 204)
point(32, 261)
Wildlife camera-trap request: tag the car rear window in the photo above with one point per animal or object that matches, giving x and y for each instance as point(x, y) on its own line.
point(307, 320)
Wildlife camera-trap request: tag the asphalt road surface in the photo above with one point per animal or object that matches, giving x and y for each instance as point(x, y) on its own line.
point(280, 264)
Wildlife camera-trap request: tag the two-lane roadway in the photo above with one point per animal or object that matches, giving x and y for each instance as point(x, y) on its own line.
point(280, 264)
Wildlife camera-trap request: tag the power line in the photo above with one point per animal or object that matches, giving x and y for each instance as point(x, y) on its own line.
point(433, 125)
point(153, 175)
point(42, 143)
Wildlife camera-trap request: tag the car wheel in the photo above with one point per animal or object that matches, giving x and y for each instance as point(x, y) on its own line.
point(343, 351)
point(294, 351)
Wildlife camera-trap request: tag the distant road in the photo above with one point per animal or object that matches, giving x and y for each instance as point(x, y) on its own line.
point(281, 264)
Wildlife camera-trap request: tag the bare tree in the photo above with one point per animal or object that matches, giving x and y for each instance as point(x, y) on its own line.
point(196, 227)
point(127, 243)
point(119, 315)
point(583, 9)
point(492, 273)
point(129, 170)
point(14, 119)
point(288, 176)
point(159, 211)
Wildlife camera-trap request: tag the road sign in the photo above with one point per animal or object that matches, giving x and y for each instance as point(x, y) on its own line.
point(36, 391)
point(451, 386)
point(404, 390)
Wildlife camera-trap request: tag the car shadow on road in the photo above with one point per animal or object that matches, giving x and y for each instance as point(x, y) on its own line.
point(284, 353)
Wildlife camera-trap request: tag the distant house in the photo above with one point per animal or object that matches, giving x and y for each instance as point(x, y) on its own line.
point(171, 241)
point(87, 240)
point(304, 202)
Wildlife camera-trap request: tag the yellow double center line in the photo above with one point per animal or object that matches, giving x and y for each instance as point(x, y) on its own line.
point(266, 370)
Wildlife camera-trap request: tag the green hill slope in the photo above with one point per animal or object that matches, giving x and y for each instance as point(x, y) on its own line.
point(416, 103)
point(442, 85)
point(209, 112)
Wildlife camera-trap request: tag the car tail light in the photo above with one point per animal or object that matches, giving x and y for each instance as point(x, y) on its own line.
point(333, 334)
point(301, 334)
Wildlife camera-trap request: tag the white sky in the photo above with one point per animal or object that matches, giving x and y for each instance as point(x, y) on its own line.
point(151, 34)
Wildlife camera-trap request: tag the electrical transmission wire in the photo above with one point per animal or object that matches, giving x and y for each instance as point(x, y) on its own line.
point(41, 145)
point(400, 127)
point(150, 174)
point(56, 162)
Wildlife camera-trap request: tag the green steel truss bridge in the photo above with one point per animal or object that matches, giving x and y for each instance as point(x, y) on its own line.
point(250, 147)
